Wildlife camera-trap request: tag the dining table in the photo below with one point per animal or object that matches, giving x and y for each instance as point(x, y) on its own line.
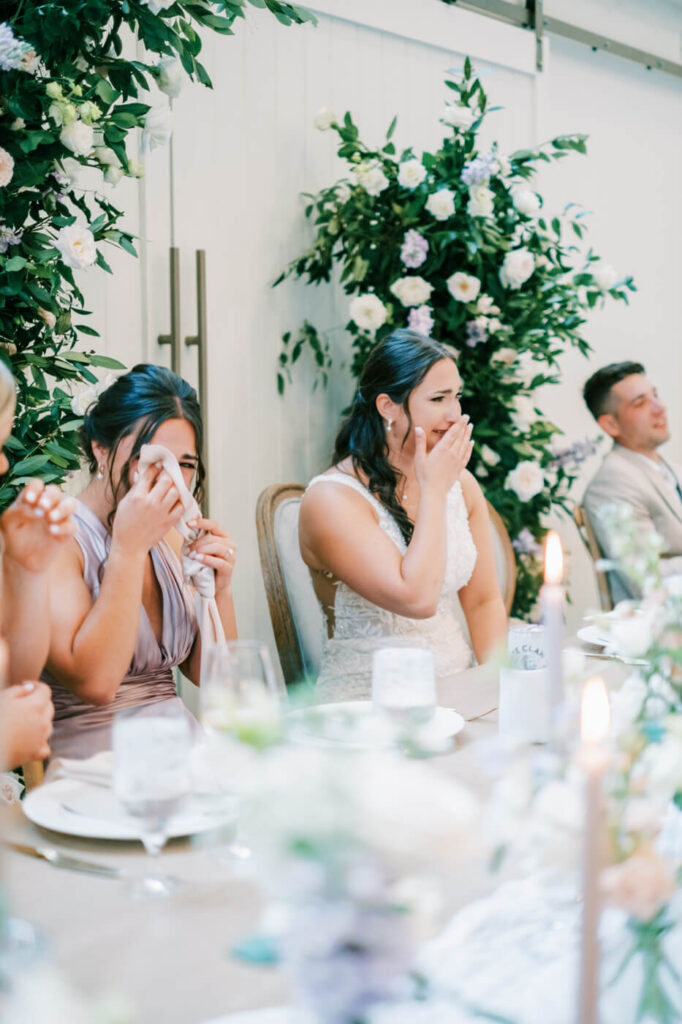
point(175, 960)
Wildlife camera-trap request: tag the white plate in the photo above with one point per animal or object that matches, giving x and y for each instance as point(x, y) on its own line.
point(593, 636)
point(355, 724)
point(79, 809)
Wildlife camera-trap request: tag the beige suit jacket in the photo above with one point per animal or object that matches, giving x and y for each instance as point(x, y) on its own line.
point(626, 478)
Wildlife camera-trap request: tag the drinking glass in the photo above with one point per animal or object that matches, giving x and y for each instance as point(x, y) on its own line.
point(404, 686)
point(239, 702)
point(238, 694)
point(151, 778)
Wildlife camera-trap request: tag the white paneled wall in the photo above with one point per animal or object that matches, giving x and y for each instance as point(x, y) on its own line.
point(244, 152)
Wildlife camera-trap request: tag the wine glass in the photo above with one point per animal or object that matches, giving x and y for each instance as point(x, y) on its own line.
point(404, 687)
point(239, 703)
point(151, 747)
point(239, 694)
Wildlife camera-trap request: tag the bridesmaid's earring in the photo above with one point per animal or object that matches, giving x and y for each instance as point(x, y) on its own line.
point(100, 472)
point(389, 425)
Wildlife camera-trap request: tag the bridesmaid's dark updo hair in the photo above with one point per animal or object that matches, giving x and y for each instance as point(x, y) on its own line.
point(395, 368)
point(139, 402)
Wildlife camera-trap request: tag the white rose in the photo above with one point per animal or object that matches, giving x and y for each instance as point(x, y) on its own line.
point(30, 62)
point(157, 5)
point(170, 77)
point(486, 305)
point(73, 170)
point(105, 155)
point(18, 124)
point(78, 137)
point(458, 116)
point(488, 455)
point(343, 193)
point(463, 287)
point(411, 173)
point(412, 291)
point(77, 246)
point(6, 167)
point(83, 399)
point(604, 275)
point(368, 312)
point(324, 119)
point(517, 267)
point(158, 126)
point(371, 177)
point(481, 201)
point(113, 174)
point(526, 202)
point(526, 480)
point(504, 167)
point(135, 168)
point(441, 204)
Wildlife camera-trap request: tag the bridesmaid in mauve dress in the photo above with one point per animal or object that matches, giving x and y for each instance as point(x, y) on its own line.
point(122, 617)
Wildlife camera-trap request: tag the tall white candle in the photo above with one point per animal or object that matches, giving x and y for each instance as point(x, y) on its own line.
point(594, 727)
point(552, 606)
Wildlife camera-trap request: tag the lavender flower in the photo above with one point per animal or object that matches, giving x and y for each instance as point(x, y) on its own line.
point(8, 236)
point(420, 319)
point(479, 170)
point(11, 50)
point(476, 334)
point(526, 544)
point(414, 249)
point(574, 454)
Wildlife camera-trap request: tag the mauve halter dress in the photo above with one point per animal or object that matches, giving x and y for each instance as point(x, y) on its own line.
point(80, 729)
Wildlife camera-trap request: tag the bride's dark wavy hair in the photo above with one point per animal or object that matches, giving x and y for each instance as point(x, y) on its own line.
point(139, 402)
point(395, 368)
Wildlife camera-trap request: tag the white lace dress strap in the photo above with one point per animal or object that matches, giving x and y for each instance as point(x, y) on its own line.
point(386, 520)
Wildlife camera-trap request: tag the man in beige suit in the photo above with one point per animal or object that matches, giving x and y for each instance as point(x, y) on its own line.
point(627, 407)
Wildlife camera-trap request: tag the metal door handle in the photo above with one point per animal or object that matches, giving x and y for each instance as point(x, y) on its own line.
point(199, 339)
point(173, 339)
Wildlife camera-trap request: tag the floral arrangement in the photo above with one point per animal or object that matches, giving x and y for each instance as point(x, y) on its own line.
point(357, 855)
point(456, 244)
point(73, 108)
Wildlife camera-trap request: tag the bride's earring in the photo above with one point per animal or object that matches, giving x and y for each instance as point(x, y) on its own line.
point(389, 426)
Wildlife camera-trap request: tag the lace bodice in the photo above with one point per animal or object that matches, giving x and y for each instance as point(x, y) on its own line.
point(361, 626)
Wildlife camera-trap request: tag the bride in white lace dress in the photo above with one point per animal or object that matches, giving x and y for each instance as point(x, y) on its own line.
point(398, 528)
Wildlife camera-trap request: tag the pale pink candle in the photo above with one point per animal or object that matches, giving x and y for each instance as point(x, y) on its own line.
point(552, 597)
point(593, 759)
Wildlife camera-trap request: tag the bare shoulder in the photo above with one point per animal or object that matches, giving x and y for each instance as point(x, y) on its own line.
point(69, 561)
point(332, 497)
point(474, 498)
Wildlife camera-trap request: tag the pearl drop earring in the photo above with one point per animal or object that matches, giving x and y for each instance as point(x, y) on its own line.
point(100, 472)
point(389, 425)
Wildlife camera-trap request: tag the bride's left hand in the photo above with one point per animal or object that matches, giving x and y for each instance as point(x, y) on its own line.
point(216, 549)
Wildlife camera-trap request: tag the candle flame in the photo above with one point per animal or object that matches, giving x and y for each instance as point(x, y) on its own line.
point(554, 558)
point(595, 712)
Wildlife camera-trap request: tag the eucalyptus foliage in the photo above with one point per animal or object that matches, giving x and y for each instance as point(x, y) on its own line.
point(504, 283)
point(70, 100)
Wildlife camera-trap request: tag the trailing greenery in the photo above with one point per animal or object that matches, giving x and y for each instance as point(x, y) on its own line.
point(72, 105)
point(498, 279)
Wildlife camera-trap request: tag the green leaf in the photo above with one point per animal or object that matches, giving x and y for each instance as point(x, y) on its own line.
point(29, 466)
point(108, 362)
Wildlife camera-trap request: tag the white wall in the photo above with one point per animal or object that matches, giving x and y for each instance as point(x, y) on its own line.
point(244, 152)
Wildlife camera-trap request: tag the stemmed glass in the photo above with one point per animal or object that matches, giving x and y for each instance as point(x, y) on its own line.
point(239, 702)
point(151, 778)
point(404, 687)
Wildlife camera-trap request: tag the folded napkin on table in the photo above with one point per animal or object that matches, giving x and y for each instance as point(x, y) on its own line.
point(97, 770)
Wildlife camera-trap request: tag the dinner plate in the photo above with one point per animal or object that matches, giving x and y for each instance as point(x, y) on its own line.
point(77, 808)
point(356, 724)
point(593, 636)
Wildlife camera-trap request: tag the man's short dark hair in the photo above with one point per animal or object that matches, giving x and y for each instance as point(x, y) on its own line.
point(597, 389)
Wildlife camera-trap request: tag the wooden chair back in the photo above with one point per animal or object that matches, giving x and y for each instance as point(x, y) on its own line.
point(297, 619)
point(589, 539)
point(505, 562)
point(34, 774)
